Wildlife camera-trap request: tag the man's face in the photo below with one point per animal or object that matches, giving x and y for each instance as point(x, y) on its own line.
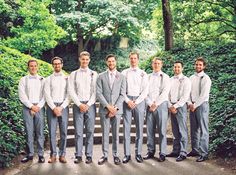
point(111, 63)
point(156, 65)
point(84, 61)
point(33, 68)
point(57, 65)
point(199, 66)
point(133, 60)
point(178, 68)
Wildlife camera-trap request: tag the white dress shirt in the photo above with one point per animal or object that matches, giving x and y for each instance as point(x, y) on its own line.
point(159, 87)
point(200, 90)
point(55, 90)
point(179, 90)
point(30, 91)
point(137, 84)
point(82, 86)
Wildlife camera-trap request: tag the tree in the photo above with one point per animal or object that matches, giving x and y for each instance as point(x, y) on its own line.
point(168, 27)
point(38, 30)
point(85, 20)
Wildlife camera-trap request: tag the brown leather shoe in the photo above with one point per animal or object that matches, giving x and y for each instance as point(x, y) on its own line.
point(62, 159)
point(52, 159)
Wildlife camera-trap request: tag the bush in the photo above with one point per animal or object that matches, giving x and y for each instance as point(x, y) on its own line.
point(13, 66)
point(221, 69)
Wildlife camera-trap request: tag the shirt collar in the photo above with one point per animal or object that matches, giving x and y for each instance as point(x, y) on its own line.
point(157, 73)
point(200, 74)
point(112, 72)
point(178, 76)
point(84, 69)
point(134, 69)
point(33, 76)
point(57, 74)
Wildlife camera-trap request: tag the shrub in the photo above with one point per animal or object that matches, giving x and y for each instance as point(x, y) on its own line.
point(13, 66)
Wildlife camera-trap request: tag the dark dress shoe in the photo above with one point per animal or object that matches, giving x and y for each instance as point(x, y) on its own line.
point(192, 154)
point(102, 160)
point(148, 156)
point(26, 159)
point(162, 158)
point(88, 160)
point(41, 159)
point(117, 160)
point(78, 159)
point(202, 158)
point(139, 158)
point(126, 159)
point(180, 158)
point(172, 154)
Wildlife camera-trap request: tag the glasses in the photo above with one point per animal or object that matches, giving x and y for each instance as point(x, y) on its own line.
point(57, 64)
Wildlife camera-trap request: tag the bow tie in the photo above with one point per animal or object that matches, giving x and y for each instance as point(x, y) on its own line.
point(156, 74)
point(32, 77)
point(83, 70)
point(176, 77)
point(58, 74)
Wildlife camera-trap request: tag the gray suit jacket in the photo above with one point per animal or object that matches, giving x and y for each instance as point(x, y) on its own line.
point(113, 96)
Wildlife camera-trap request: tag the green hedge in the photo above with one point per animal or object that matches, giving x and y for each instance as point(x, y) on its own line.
point(13, 66)
point(221, 69)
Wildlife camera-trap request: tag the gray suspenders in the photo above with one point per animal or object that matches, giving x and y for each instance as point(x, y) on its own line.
point(91, 84)
point(27, 87)
point(142, 75)
point(65, 87)
point(199, 88)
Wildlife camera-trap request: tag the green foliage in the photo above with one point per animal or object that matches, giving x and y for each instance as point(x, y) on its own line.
point(37, 32)
point(13, 66)
point(101, 18)
point(221, 69)
point(198, 21)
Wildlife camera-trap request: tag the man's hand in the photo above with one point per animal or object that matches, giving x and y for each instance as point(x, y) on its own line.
point(173, 110)
point(131, 104)
point(191, 107)
point(57, 111)
point(32, 113)
point(35, 108)
point(83, 107)
point(153, 107)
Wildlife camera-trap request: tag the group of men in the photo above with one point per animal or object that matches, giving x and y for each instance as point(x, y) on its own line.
point(127, 94)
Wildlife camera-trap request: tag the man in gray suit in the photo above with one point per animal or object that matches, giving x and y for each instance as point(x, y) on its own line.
point(111, 88)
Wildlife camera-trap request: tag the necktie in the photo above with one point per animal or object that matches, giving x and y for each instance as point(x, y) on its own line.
point(112, 78)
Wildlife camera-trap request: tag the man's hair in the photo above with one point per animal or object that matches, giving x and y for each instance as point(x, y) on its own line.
point(157, 58)
point(134, 53)
point(57, 58)
point(180, 62)
point(84, 53)
point(202, 60)
point(30, 61)
point(109, 56)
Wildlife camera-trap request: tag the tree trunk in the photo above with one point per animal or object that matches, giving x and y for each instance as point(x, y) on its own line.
point(168, 27)
point(80, 39)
